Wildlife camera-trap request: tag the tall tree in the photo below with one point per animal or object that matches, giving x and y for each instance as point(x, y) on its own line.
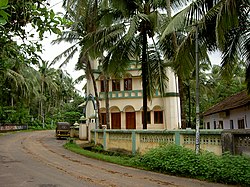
point(179, 48)
point(223, 24)
point(48, 85)
point(137, 21)
point(84, 15)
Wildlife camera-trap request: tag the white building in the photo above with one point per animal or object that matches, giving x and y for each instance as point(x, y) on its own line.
point(231, 113)
point(126, 101)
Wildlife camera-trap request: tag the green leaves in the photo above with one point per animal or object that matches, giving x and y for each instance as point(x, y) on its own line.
point(56, 31)
point(3, 15)
point(3, 3)
point(182, 161)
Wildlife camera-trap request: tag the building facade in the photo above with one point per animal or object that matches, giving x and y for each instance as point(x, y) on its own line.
point(231, 113)
point(126, 101)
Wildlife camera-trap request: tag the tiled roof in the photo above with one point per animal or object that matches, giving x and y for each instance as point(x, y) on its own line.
point(234, 101)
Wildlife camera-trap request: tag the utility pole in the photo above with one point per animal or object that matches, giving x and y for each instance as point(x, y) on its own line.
point(197, 129)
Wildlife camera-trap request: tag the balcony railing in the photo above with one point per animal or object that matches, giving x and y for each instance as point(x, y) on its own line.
point(122, 94)
point(133, 94)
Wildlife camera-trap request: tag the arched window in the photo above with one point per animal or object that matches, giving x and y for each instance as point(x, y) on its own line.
point(158, 115)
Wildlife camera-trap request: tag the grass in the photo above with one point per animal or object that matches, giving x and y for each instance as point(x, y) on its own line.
point(104, 156)
point(11, 132)
point(16, 131)
point(178, 161)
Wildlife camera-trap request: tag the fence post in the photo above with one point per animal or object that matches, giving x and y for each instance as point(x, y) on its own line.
point(133, 143)
point(104, 140)
point(177, 137)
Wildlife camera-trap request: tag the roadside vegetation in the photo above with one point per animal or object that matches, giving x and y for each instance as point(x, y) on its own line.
point(33, 92)
point(178, 161)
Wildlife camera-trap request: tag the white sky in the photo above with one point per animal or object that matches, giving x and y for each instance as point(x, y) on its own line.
point(51, 51)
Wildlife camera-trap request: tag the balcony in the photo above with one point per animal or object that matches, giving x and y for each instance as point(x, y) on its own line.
point(133, 94)
point(122, 94)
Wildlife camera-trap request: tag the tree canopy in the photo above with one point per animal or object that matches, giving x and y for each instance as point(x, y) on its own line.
point(117, 33)
point(30, 88)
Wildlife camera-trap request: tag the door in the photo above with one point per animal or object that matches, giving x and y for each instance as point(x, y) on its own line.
point(130, 120)
point(116, 120)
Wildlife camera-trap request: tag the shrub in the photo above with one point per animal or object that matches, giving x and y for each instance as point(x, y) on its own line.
point(172, 159)
point(234, 169)
point(36, 124)
point(182, 161)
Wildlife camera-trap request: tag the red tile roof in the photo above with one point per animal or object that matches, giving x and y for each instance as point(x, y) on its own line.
point(234, 101)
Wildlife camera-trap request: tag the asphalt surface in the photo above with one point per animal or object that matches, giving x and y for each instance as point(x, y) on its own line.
point(38, 159)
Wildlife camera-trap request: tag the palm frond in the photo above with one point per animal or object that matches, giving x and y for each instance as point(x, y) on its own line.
point(80, 79)
point(176, 24)
point(67, 36)
point(68, 53)
point(248, 77)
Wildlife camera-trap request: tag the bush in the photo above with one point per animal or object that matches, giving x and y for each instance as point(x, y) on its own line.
point(70, 117)
point(14, 115)
point(36, 124)
point(177, 160)
point(234, 169)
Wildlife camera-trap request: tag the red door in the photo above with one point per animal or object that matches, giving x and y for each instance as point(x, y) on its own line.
point(116, 120)
point(130, 120)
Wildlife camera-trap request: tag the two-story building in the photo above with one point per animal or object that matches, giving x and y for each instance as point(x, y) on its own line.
point(126, 101)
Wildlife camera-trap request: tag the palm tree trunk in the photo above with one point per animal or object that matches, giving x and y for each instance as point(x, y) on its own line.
point(182, 102)
point(107, 101)
point(144, 77)
point(41, 103)
point(189, 106)
point(96, 94)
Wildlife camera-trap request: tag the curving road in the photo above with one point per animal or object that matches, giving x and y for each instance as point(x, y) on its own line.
point(38, 159)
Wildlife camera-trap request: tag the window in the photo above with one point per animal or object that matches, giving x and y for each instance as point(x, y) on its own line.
point(231, 124)
point(241, 124)
point(128, 84)
point(103, 115)
point(214, 124)
point(208, 125)
point(220, 124)
point(158, 117)
point(102, 86)
point(148, 117)
point(116, 85)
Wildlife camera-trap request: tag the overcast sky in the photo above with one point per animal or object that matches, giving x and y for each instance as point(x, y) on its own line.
point(51, 51)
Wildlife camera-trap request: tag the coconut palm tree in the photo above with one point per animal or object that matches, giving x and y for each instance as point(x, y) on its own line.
point(137, 21)
point(84, 16)
point(181, 52)
point(224, 25)
point(48, 85)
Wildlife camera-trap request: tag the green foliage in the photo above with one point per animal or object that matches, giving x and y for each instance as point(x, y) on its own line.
point(3, 14)
point(23, 87)
point(176, 160)
point(70, 117)
point(212, 82)
point(182, 161)
point(173, 160)
point(36, 124)
point(16, 115)
point(113, 159)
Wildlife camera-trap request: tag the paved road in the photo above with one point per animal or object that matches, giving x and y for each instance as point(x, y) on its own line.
point(37, 159)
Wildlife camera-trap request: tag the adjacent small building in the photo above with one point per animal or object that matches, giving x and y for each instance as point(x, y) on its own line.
point(231, 113)
point(126, 101)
